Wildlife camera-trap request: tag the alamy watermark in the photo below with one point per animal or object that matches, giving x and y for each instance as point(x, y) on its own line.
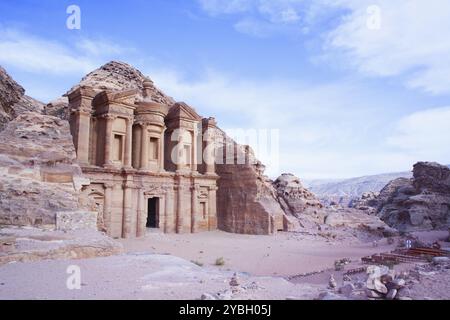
point(73, 282)
point(374, 19)
point(73, 21)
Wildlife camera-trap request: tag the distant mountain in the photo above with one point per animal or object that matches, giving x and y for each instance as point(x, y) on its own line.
point(343, 191)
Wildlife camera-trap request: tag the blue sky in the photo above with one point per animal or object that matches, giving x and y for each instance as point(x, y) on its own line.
point(354, 87)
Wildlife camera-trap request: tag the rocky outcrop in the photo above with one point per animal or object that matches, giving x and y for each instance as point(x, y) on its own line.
point(298, 201)
point(358, 220)
point(420, 203)
point(368, 202)
point(38, 170)
point(345, 191)
point(119, 76)
point(13, 100)
point(246, 199)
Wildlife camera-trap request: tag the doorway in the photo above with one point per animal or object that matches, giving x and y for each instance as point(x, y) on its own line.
point(153, 213)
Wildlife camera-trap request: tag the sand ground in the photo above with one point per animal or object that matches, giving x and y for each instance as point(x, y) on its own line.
point(283, 254)
point(158, 267)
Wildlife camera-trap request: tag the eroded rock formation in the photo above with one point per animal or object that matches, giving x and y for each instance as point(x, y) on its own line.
point(13, 100)
point(420, 203)
point(247, 200)
point(298, 201)
point(38, 170)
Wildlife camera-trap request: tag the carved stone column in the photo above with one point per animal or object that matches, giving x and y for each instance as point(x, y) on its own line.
point(108, 139)
point(144, 147)
point(82, 146)
point(194, 208)
point(168, 214)
point(141, 216)
point(180, 217)
point(128, 143)
point(107, 208)
point(209, 127)
point(161, 150)
point(128, 188)
point(180, 150)
point(212, 208)
point(194, 160)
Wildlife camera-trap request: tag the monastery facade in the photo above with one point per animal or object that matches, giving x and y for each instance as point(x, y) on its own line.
point(145, 163)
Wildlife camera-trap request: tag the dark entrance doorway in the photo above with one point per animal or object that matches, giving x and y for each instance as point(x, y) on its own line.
point(153, 213)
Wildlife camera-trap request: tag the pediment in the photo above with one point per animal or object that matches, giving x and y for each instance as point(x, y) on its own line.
point(181, 110)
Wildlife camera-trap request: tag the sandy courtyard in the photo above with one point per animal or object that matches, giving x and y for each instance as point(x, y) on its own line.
point(283, 254)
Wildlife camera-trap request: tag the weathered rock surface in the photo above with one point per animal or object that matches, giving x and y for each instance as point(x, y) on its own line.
point(421, 203)
point(121, 76)
point(368, 202)
point(297, 200)
point(37, 161)
point(357, 219)
point(13, 100)
point(345, 191)
point(32, 244)
point(246, 199)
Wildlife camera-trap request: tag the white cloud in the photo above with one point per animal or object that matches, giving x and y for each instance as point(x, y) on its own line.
point(412, 41)
point(327, 131)
point(38, 55)
point(215, 7)
point(33, 54)
point(425, 135)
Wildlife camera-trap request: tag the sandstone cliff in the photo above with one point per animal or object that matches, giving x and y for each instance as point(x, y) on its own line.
point(298, 201)
point(13, 100)
point(39, 186)
point(247, 201)
point(37, 160)
point(420, 203)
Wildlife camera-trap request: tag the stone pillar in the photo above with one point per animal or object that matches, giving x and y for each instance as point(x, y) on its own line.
point(209, 127)
point(168, 214)
point(161, 150)
point(180, 218)
point(107, 208)
point(128, 143)
point(180, 150)
point(82, 146)
point(108, 139)
point(141, 216)
point(144, 147)
point(194, 160)
point(194, 208)
point(127, 209)
point(212, 208)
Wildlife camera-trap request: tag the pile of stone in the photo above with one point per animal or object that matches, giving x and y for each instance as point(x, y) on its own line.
point(236, 290)
point(382, 283)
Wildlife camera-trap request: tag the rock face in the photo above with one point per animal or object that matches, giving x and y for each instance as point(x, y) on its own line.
point(13, 100)
point(37, 161)
point(421, 203)
point(298, 201)
point(121, 76)
point(357, 219)
point(367, 202)
point(246, 199)
point(345, 191)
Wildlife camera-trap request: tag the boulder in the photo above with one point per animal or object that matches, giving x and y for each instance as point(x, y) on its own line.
point(420, 203)
point(298, 201)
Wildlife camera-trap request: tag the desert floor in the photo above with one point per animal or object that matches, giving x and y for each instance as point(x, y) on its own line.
point(283, 254)
point(160, 266)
